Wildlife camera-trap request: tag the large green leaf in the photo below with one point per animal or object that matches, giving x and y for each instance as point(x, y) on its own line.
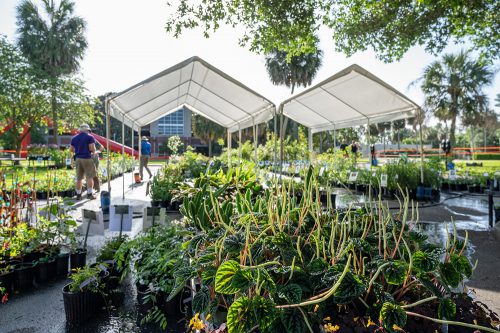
point(425, 261)
point(224, 277)
point(450, 275)
point(291, 293)
point(447, 309)
point(317, 266)
point(293, 321)
point(462, 265)
point(264, 311)
point(392, 316)
point(395, 272)
point(242, 279)
point(201, 300)
point(234, 243)
point(349, 289)
point(239, 316)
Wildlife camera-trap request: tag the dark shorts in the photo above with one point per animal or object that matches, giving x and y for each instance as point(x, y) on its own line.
point(85, 168)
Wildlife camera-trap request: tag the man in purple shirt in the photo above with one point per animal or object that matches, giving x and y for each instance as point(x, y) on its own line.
point(83, 146)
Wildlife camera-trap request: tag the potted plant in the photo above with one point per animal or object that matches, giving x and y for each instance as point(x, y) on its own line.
point(6, 278)
point(84, 295)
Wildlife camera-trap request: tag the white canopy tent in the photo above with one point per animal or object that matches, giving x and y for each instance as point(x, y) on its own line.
point(352, 97)
point(202, 88)
point(349, 98)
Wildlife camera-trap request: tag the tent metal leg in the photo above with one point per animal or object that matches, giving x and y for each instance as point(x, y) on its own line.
point(421, 153)
point(133, 155)
point(108, 152)
point(228, 148)
point(310, 144)
point(275, 120)
point(281, 144)
point(123, 156)
point(239, 147)
point(368, 143)
point(334, 138)
point(255, 143)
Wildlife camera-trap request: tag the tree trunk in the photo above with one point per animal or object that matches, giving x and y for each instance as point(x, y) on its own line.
point(472, 142)
point(452, 130)
point(209, 147)
point(55, 126)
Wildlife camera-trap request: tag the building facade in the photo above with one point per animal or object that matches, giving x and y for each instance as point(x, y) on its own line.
point(176, 123)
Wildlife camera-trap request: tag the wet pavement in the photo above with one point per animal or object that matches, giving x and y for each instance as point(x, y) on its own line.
point(42, 311)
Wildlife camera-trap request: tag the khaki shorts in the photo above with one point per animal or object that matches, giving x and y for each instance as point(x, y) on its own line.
point(85, 167)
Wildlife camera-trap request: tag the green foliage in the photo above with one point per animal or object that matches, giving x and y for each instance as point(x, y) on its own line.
point(86, 278)
point(165, 182)
point(290, 26)
point(53, 40)
point(447, 309)
point(22, 93)
point(207, 130)
point(392, 314)
point(225, 278)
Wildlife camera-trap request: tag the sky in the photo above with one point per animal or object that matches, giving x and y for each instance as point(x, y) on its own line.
point(128, 43)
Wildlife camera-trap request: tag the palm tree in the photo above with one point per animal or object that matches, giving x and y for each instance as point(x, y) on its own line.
point(53, 40)
point(293, 71)
point(207, 130)
point(451, 86)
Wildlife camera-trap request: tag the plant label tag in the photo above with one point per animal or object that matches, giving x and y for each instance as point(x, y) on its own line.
point(486, 174)
point(383, 180)
point(452, 175)
point(353, 176)
point(285, 168)
point(93, 220)
point(39, 160)
point(120, 218)
point(153, 216)
point(105, 172)
point(321, 171)
point(368, 166)
point(12, 156)
point(68, 161)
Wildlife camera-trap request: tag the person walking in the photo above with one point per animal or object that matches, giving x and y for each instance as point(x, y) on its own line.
point(83, 147)
point(145, 156)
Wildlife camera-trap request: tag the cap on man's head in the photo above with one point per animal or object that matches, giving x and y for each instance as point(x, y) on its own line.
point(145, 138)
point(84, 128)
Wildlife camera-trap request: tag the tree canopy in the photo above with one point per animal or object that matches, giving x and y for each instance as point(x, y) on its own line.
point(389, 27)
point(23, 98)
point(453, 88)
point(53, 40)
point(207, 130)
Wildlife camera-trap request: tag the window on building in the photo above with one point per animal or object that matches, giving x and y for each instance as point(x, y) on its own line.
point(173, 124)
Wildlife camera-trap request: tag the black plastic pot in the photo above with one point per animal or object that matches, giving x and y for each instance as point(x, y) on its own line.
point(78, 259)
point(45, 271)
point(7, 281)
point(79, 306)
point(32, 257)
point(23, 277)
point(62, 264)
point(143, 305)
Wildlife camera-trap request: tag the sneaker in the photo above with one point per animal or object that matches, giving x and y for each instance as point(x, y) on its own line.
point(79, 196)
point(90, 196)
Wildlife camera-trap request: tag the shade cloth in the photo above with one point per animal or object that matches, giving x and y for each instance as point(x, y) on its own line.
point(201, 87)
point(349, 98)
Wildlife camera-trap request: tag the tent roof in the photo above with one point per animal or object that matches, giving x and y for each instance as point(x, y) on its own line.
point(198, 85)
point(349, 98)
